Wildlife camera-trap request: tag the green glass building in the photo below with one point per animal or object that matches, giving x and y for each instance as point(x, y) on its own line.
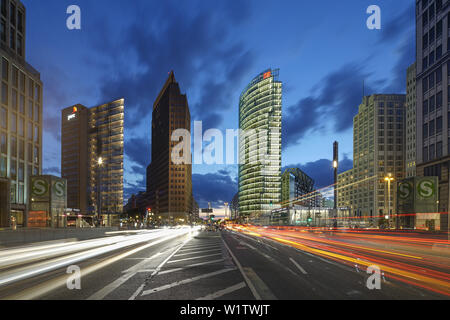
point(260, 145)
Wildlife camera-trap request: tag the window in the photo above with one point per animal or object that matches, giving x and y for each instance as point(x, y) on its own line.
point(3, 143)
point(30, 88)
point(425, 41)
point(439, 75)
point(438, 52)
point(13, 170)
point(21, 127)
point(21, 150)
point(439, 149)
point(36, 134)
point(30, 109)
point(439, 100)
point(13, 145)
point(30, 153)
point(19, 45)
point(3, 31)
point(5, 69)
point(425, 131)
point(431, 36)
point(431, 128)
point(12, 14)
point(3, 3)
point(431, 59)
point(439, 124)
point(438, 5)
point(3, 117)
point(36, 113)
point(2, 166)
point(4, 93)
point(431, 79)
point(439, 29)
point(431, 12)
point(431, 104)
point(432, 152)
point(13, 122)
point(425, 85)
point(12, 39)
point(20, 21)
point(22, 83)
point(30, 131)
point(425, 63)
point(425, 154)
point(425, 107)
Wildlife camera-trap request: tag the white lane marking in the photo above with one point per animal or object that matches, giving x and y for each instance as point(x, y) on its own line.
point(186, 254)
point(269, 258)
point(141, 287)
point(298, 266)
point(190, 266)
point(263, 289)
point(246, 278)
point(223, 292)
point(178, 283)
point(192, 258)
point(200, 247)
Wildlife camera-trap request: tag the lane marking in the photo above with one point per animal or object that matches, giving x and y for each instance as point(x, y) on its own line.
point(192, 258)
point(263, 289)
point(186, 254)
point(223, 292)
point(298, 266)
point(141, 287)
point(246, 278)
point(200, 247)
point(190, 266)
point(179, 283)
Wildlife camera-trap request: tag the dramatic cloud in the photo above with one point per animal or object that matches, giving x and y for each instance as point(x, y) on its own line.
point(321, 171)
point(336, 101)
point(216, 188)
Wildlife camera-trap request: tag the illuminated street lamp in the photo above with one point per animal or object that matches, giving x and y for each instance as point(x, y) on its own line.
point(389, 179)
point(99, 196)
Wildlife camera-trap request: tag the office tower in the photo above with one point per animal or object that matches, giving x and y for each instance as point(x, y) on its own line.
point(169, 184)
point(20, 117)
point(260, 145)
point(74, 155)
point(297, 188)
point(92, 159)
point(378, 152)
point(433, 118)
point(411, 121)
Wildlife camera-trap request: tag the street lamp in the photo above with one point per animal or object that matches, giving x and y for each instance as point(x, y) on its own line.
point(99, 200)
point(389, 179)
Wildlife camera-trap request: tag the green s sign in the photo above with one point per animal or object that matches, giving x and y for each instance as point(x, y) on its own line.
point(426, 188)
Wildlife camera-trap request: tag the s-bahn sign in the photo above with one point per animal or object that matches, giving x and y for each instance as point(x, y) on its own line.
point(418, 195)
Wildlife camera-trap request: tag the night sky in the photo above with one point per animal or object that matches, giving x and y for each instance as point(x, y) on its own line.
point(126, 48)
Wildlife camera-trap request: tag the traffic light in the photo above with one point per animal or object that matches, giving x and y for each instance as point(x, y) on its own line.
point(309, 219)
point(271, 203)
point(211, 217)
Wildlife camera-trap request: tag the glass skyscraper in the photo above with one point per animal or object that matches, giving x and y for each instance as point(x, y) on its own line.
point(260, 145)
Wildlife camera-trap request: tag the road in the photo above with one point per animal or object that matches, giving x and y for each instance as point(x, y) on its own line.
point(241, 263)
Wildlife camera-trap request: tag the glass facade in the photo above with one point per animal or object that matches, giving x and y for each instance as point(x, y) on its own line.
point(260, 145)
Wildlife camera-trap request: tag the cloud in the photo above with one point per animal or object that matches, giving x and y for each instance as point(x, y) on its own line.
point(337, 100)
point(208, 63)
point(216, 188)
point(321, 171)
point(52, 171)
point(138, 150)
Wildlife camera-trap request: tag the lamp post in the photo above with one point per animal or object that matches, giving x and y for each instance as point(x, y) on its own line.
point(335, 167)
point(99, 195)
point(389, 179)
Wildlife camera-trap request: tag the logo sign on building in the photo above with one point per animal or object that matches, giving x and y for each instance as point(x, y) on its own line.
point(40, 189)
point(59, 190)
point(426, 194)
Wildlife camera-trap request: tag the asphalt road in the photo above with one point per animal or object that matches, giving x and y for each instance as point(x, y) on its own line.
point(185, 265)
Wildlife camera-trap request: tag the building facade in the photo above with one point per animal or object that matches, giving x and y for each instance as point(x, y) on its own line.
point(169, 184)
point(378, 152)
point(411, 121)
point(297, 188)
point(260, 144)
point(20, 117)
point(92, 159)
point(74, 155)
point(432, 88)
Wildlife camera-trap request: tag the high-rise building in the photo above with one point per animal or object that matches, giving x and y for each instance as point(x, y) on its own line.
point(74, 155)
point(378, 152)
point(20, 117)
point(432, 87)
point(297, 187)
point(169, 184)
point(92, 159)
point(411, 121)
point(260, 144)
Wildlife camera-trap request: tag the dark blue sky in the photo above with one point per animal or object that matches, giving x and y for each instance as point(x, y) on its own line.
point(126, 48)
